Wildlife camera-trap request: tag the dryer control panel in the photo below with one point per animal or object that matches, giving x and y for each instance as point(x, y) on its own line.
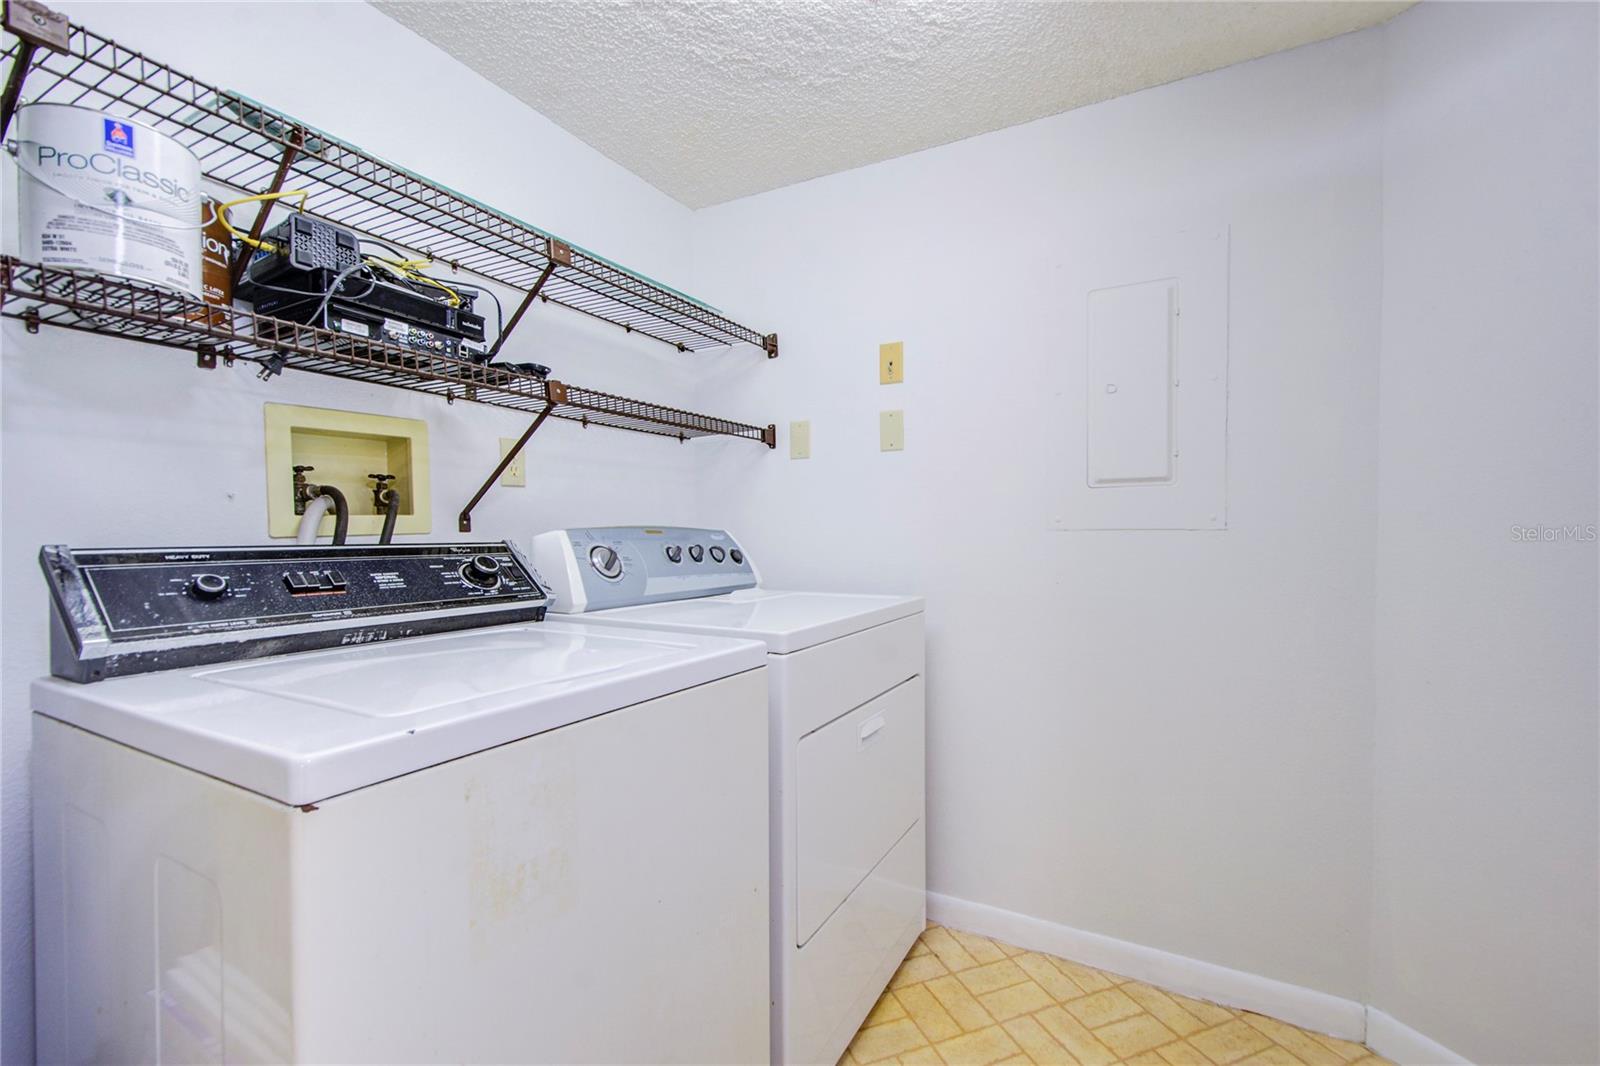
point(132, 610)
point(601, 567)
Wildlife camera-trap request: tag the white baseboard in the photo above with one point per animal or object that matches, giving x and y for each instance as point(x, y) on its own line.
point(1305, 1007)
point(1403, 1044)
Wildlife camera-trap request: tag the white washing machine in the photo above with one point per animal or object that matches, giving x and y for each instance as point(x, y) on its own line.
point(498, 840)
point(847, 758)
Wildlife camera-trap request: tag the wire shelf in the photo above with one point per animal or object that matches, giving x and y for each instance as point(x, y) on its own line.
point(100, 303)
point(243, 144)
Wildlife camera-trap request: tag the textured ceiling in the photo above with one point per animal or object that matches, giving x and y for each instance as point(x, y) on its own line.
point(710, 101)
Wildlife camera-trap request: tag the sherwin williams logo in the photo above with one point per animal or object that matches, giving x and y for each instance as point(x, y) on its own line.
point(119, 137)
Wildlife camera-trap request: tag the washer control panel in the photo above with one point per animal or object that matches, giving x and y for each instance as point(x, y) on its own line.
point(602, 567)
point(131, 610)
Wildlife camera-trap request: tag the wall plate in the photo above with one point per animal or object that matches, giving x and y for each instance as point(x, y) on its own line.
point(514, 476)
point(892, 363)
point(800, 440)
point(891, 431)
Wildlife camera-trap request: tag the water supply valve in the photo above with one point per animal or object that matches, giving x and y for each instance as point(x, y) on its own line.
point(381, 491)
point(304, 491)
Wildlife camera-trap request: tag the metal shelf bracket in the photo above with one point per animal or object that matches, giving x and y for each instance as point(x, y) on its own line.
point(555, 393)
point(290, 150)
point(558, 253)
point(34, 26)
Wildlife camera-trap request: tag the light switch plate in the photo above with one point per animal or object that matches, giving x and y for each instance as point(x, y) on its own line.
point(891, 431)
point(891, 363)
point(800, 440)
point(514, 476)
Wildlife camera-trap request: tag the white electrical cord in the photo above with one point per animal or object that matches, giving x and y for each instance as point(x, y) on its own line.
point(307, 534)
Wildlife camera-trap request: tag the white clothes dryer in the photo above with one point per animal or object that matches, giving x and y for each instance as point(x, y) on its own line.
point(847, 752)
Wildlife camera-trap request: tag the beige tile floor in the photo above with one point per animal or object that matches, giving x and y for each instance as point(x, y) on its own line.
point(965, 999)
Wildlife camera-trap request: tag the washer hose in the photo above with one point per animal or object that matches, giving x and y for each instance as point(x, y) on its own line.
point(391, 514)
point(327, 496)
point(341, 513)
point(307, 533)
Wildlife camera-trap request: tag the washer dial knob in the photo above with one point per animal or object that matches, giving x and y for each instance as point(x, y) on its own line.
point(674, 554)
point(737, 556)
point(208, 586)
point(483, 571)
point(606, 562)
point(717, 554)
point(696, 552)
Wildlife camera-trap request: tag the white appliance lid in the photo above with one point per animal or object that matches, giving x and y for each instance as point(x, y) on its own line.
point(301, 728)
point(785, 621)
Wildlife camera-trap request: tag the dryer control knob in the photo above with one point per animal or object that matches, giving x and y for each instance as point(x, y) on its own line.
point(737, 556)
point(696, 552)
point(606, 562)
point(674, 553)
point(209, 586)
point(716, 554)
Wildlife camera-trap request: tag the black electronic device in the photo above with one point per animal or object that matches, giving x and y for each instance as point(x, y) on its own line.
point(134, 610)
point(385, 312)
point(312, 272)
point(303, 243)
point(538, 370)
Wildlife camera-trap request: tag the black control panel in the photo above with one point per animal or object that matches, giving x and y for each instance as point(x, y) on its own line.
point(120, 611)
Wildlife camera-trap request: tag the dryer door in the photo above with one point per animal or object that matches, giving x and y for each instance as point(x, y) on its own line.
point(859, 788)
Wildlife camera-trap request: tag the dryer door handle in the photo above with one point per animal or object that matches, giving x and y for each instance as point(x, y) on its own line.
point(870, 727)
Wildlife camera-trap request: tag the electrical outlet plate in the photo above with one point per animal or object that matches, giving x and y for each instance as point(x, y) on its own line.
point(892, 363)
point(800, 440)
point(514, 476)
point(891, 431)
point(346, 446)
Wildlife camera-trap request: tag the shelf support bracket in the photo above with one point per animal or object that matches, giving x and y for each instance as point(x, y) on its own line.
point(527, 302)
point(769, 344)
point(33, 25)
point(13, 89)
point(290, 151)
point(464, 523)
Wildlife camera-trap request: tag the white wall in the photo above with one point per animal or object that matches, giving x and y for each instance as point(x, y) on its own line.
point(1161, 737)
point(108, 443)
point(1485, 886)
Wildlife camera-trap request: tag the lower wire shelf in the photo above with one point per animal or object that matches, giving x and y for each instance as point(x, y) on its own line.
point(115, 306)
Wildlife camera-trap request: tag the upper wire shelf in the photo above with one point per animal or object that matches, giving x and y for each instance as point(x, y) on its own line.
point(100, 303)
point(247, 146)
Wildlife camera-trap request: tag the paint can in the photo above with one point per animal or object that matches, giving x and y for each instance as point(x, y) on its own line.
point(108, 195)
point(216, 266)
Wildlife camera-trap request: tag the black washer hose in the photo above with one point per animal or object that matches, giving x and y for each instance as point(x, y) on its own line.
point(341, 512)
point(391, 514)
